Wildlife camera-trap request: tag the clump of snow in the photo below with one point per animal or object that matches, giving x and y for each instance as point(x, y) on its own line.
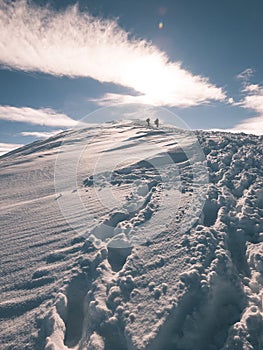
point(95, 342)
point(55, 328)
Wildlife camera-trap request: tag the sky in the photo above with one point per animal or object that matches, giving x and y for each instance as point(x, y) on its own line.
point(61, 60)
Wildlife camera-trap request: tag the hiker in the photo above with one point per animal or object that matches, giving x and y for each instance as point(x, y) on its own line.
point(148, 122)
point(156, 122)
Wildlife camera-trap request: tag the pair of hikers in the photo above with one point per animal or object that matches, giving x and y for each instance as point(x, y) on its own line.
point(156, 122)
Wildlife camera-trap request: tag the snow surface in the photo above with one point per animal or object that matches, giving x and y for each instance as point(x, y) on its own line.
point(144, 253)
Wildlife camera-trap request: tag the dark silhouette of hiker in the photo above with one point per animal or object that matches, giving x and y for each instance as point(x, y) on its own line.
point(148, 122)
point(156, 122)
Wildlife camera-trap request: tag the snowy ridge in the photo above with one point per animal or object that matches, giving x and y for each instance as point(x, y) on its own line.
point(99, 278)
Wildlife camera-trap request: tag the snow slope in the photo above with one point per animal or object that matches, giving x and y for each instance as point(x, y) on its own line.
point(143, 241)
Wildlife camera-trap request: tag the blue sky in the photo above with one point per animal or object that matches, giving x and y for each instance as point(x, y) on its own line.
point(59, 61)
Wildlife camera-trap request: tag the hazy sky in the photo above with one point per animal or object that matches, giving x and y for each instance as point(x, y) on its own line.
point(200, 59)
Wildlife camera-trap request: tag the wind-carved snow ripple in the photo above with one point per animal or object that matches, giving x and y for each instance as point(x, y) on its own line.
point(199, 288)
point(160, 182)
point(152, 175)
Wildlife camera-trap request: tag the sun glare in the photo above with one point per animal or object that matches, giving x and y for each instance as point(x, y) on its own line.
point(160, 25)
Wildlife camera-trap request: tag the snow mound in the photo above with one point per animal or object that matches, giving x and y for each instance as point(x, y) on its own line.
point(160, 249)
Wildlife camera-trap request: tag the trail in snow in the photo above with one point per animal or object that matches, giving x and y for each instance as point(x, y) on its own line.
point(142, 249)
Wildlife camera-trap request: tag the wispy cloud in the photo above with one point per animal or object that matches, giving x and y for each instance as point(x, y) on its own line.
point(44, 116)
point(246, 74)
point(253, 100)
point(250, 126)
point(251, 88)
point(7, 147)
point(41, 134)
point(112, 98)
point(75, 44)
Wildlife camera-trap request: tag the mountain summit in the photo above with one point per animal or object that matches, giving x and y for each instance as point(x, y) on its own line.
point(119, 236)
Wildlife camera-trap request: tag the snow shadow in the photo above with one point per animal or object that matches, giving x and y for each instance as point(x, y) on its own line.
point(117, 257)
point(76, 293)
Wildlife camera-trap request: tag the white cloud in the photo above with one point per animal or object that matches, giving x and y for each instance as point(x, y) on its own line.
point(76, 44)
point(44, 116)
point(253, 98)
point(7, 147)
point(247, 126)
point(246, 74)
point(110, 98)
point(41, 134)
point(251, 88)
point(250, 126)
point(252, 101)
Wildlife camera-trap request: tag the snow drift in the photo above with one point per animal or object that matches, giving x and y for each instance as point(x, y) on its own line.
point(129, 274)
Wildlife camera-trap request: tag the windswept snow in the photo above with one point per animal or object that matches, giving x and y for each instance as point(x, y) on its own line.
point(155, 244)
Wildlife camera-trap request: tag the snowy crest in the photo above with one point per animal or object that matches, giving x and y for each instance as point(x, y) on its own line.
point(134, 173)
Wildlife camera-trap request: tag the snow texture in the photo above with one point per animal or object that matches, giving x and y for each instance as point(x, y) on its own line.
point(126, 278)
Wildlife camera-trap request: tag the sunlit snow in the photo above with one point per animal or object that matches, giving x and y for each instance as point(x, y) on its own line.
point(148, 246)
